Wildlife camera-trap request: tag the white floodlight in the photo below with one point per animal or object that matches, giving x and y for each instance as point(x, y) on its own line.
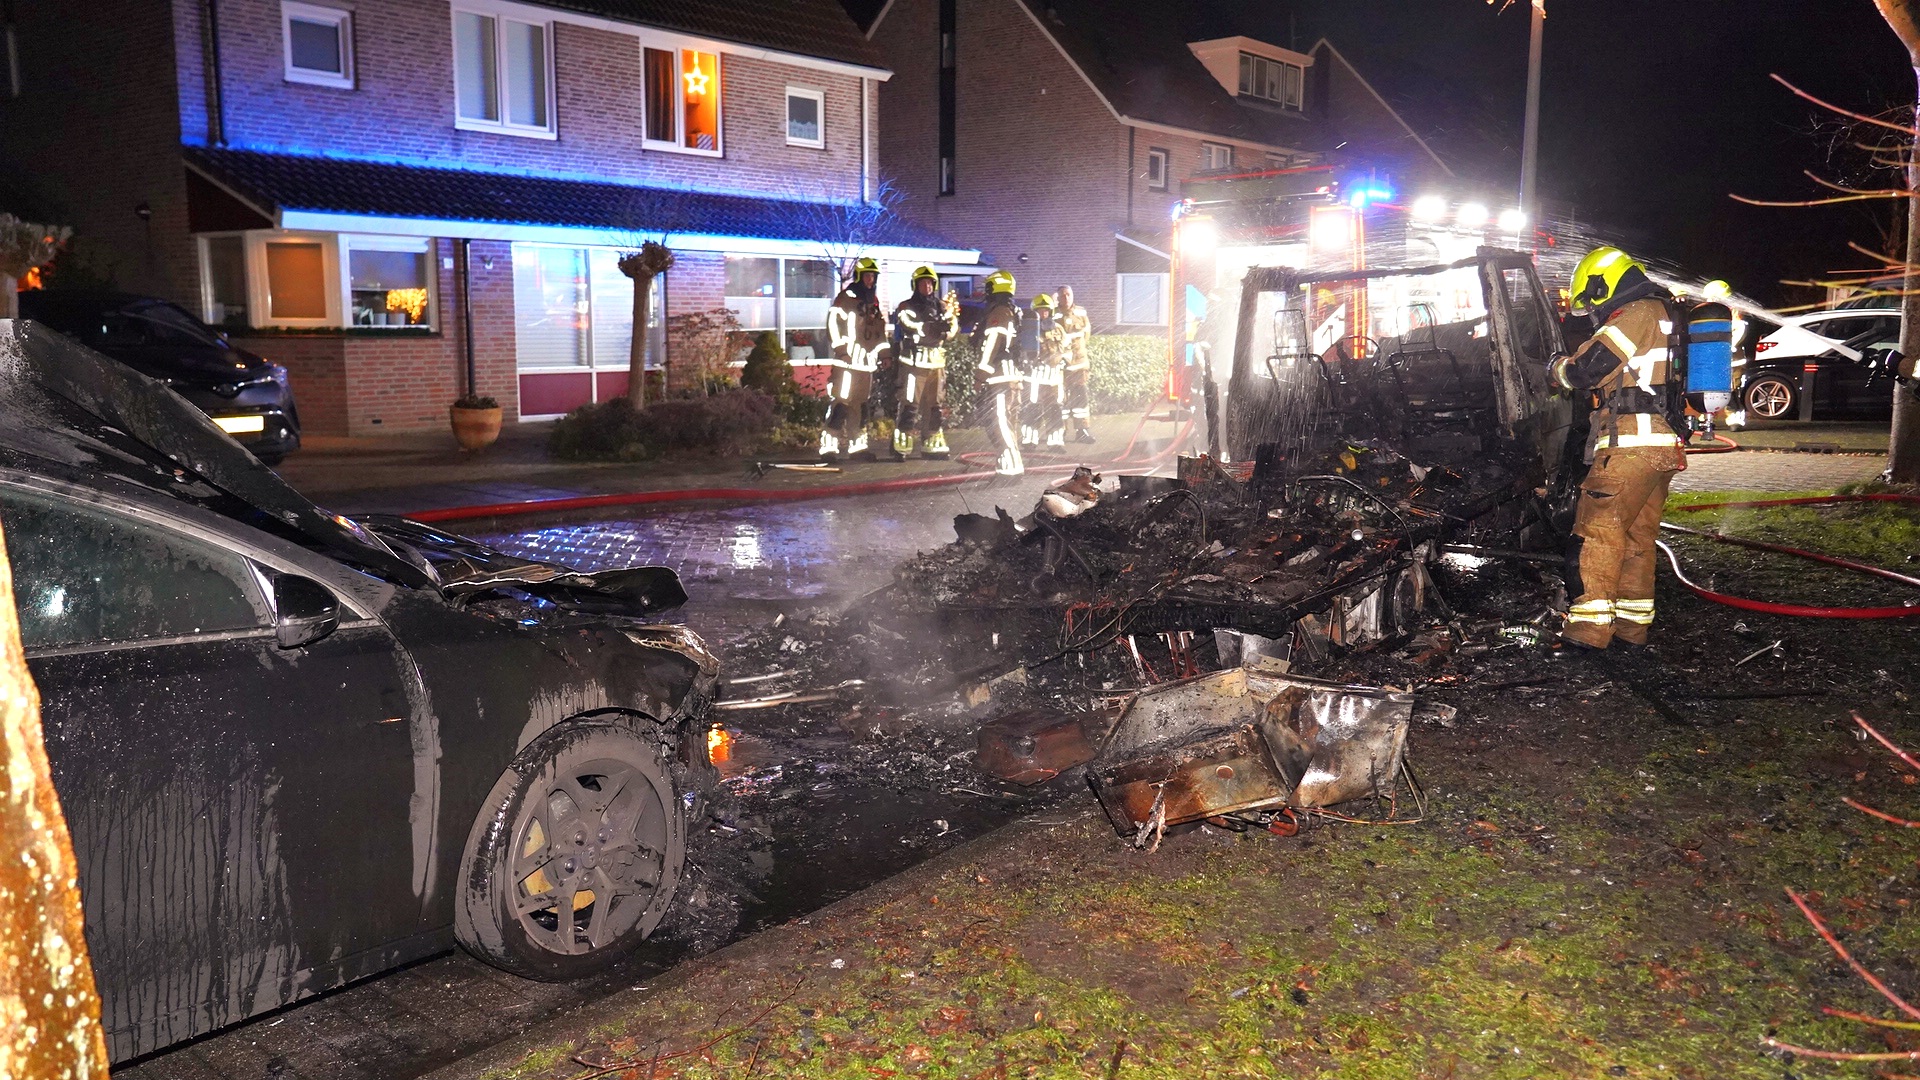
point(1473, 215)
point(1430, 208)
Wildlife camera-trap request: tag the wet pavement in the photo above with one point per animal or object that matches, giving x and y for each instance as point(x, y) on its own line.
point(744, 567)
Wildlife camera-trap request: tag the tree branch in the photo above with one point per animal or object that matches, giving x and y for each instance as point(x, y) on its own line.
point(1841, 951)
point(1849, 113)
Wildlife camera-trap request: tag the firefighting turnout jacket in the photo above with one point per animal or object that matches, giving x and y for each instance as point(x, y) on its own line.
point(1626, 364)
point(924, 326)
point(999, 330)
point(857, 329)
point(1075, 326)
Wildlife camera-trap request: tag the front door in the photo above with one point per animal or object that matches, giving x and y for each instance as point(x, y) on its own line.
point(240, 812)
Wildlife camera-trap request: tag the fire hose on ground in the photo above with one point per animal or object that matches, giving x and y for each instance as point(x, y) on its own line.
point(1800, 610)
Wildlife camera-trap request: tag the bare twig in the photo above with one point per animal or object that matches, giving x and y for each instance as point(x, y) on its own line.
point(1888, 743)
point(1840, 950)
point(598, 1069)
point(1844, 1014)
point(1837, 1055)
point(1881, 814)
point(1905, 129)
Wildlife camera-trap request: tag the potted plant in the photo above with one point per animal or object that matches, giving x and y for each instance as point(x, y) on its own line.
point(476, 421)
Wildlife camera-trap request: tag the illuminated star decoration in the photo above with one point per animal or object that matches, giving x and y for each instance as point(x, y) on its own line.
point(696, 80)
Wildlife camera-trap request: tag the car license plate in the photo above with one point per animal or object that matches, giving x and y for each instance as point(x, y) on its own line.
point(241, 425)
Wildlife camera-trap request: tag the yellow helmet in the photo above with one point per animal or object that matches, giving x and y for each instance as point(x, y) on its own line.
point(1043, 302)
point(1716, 290)
point(865, 265)
point(925, 273)
point(1597, 277)
point(999, 282)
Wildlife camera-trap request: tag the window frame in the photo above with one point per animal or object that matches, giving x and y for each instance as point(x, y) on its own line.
point(501, 14)
point(1251, 65)
point(260, 291)
point(1210, 150)
point(819, 98)
point(679, 48)
point(348, 243)
point(1159, 154)
point(342, 20)
point(1120, 297)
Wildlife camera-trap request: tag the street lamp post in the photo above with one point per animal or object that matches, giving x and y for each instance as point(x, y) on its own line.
point(1530, 139)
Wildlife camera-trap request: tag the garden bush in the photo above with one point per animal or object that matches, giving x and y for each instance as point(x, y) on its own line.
point(1127, 371)
point(735, 421)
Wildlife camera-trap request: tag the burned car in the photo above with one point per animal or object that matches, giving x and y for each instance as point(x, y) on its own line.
point(294, 749)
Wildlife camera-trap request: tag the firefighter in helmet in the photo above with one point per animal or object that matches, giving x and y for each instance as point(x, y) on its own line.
point(1632, 450)
point(1075, 328)
point(1000, 368)
point(857, 333)
point(1043, 419)
point(922, 324)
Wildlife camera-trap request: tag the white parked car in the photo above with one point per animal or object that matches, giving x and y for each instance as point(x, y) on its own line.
point(1842, 386)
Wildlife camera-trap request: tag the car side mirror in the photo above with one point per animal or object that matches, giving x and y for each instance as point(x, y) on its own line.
point(306, 611)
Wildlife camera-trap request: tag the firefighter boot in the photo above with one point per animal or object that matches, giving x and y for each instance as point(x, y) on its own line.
point(1011, 463)
point(829, 446)
point(1590, 624)
point(857, 446)
point(935, 446)
point(1631, 621)
point(902, 444)
point(1081, 432)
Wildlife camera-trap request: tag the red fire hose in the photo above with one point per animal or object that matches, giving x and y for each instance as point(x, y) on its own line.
point(1800, 610)
point(1726, 445)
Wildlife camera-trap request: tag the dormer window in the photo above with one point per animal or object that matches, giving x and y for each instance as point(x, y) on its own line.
point(1271, 80)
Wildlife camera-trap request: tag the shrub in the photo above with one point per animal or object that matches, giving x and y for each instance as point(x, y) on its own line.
point(1127, 372)
point(730, 422)
point(767, 368)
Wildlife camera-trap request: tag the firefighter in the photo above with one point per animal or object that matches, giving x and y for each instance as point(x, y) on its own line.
point(857, 332)
point(923, 323)
point(1044, 417)
point(1632, 451)
point(1075, 328)
point(999, 334)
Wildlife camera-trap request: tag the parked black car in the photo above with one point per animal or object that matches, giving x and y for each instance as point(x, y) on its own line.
point(247, 396)
point(295, 749)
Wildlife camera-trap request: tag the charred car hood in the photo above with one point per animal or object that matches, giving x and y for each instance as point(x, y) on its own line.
point(63, 402)
point(467, 568)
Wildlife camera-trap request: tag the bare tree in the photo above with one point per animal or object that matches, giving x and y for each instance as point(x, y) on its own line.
point(843, 231)
point(651, 218)
point(24, 247)
point(1894, 151)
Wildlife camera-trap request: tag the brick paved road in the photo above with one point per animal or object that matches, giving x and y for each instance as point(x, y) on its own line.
point(1756, 471)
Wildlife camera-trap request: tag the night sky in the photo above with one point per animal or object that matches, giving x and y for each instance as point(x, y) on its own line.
point(1654, 111)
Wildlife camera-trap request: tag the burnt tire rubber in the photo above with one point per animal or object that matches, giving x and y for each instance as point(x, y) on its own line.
point(577, 854)
point(1771, 397)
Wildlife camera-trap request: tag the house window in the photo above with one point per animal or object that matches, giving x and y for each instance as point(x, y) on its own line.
point(787, 296)
point(226, 282)
point(389, 283)
point(1157, 168)
point(573, 326)
point(1215, 157)
point(1271, 80)
point(319, 44)
point(806, 117)
point(296, 282)
point(949, 91)
point(550, 307)
point(503, 75)
point(13, 62)
point(682, 100)
point(1143, 299)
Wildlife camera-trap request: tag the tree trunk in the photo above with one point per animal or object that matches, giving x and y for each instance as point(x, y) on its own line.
point(652, 260)
point(9, 296)
point(49, 1011)
point(1903, 445)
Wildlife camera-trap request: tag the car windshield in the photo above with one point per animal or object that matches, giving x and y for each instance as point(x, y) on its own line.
point(164, 324)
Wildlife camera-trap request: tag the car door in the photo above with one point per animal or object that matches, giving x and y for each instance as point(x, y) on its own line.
point(240, 811)
point(1841, 385)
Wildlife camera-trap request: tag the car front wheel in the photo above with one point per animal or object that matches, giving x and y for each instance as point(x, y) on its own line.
point(1772, 397)
point(577, 854)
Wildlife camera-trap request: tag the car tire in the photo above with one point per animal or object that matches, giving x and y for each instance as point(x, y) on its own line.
point(587, 811)
point(1771, 397)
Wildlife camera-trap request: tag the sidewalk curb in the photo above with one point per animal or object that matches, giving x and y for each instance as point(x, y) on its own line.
point(642, 498)
point(573, 1029)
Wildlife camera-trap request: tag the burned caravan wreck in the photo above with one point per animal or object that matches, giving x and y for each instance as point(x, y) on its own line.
point(1370, 419)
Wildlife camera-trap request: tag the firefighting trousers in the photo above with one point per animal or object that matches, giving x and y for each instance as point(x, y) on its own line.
point(920, 390)
point(1079, 404)
point(1043, 418)
point(846, 430)
point(1621, 502)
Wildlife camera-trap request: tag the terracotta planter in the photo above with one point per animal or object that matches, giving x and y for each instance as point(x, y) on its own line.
point(475, 429)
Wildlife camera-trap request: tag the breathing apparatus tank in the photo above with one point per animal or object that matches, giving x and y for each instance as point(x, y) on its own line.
point(1709, 355)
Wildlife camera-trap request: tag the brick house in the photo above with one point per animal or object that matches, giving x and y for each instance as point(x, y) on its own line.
point(1059, 136)
point(384, 195)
